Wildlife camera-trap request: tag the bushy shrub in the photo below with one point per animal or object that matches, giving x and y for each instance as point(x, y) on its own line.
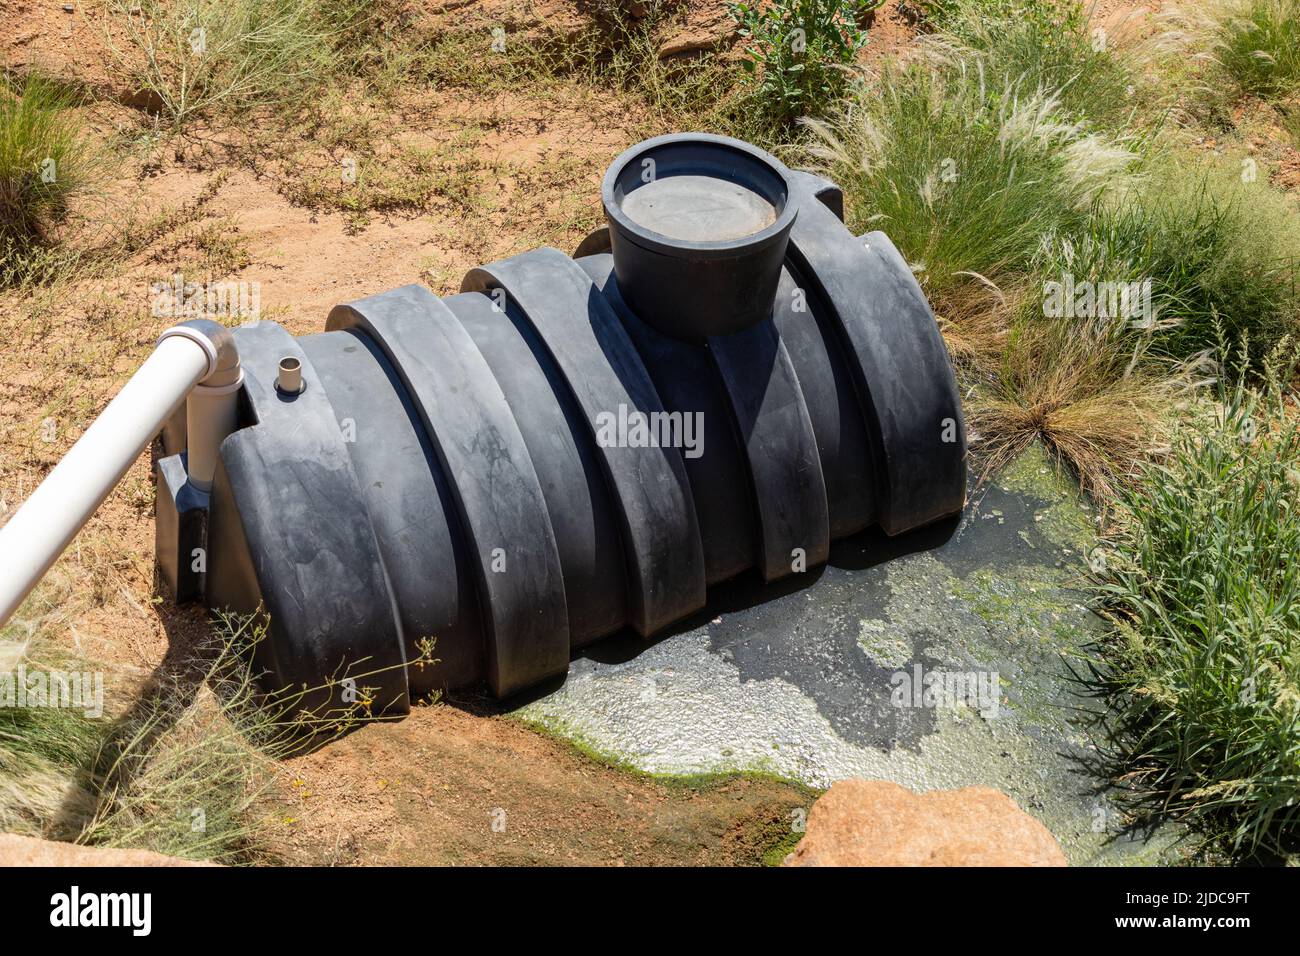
point(798, 49)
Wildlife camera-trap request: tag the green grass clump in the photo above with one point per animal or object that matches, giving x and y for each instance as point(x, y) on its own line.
point(1258, 43)
point(1219, 62)
point(195, 58)
point(189, 770)
point(1013, 128)
point(1202, 675)
point(1218, 252)
point(1050, 44)
point(43, 162)
point(45, 756)
point(965, 171)
point(45, 752)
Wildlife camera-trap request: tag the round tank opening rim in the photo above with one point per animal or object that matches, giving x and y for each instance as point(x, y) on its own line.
point(700, 157)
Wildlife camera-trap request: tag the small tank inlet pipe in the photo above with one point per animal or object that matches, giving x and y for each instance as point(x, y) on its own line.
point(199, 353)
point(289, 379)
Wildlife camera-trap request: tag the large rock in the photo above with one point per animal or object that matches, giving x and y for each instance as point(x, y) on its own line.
point(877, 823)
point(28, 851)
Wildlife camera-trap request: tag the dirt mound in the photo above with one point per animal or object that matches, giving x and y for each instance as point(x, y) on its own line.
point(447, 787)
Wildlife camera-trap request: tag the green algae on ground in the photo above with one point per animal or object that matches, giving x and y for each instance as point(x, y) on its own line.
point(772, 840)
point(1066, 518)
point(799, 684)
point(565, 733)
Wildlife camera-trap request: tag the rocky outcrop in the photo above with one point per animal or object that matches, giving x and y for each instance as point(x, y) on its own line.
point(699, 28)
point(877, 823)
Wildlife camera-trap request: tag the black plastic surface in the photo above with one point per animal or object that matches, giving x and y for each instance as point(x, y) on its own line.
point(904, 378)
point(289, 484)
point(411, 507)
point(691, 289)
point(649, 487)
point(502, 510)
point(447, 472)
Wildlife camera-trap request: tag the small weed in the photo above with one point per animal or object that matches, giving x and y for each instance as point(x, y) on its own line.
point(798, 50)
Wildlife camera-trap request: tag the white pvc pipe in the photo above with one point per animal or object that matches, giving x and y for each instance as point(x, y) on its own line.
point(45, 525)
point(210, 415)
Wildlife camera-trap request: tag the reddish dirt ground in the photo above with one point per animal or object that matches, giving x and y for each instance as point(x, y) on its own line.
point(427, 790)
point(446, 786)
point(424, 790)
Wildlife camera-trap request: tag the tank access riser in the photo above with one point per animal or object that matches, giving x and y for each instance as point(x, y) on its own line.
point(475, 469)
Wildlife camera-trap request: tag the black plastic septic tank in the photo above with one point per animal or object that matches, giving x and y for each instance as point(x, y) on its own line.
point(722, 380)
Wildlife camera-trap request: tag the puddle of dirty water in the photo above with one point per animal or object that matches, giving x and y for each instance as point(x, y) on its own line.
point(827, 680)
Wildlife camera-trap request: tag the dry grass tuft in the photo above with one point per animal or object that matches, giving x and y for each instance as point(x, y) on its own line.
point(1089, 392)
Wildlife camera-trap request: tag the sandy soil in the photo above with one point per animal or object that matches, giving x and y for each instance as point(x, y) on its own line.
point(424, 790)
